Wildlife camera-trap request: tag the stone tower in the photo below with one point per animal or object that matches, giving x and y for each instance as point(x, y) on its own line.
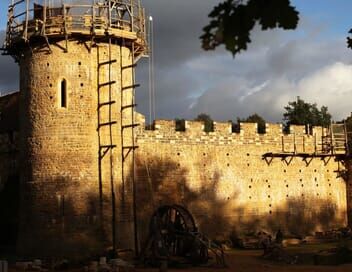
point(77, 62)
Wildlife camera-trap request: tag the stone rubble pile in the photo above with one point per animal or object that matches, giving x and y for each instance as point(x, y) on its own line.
point(35, 265)
point(114, 265)
point(3, 266)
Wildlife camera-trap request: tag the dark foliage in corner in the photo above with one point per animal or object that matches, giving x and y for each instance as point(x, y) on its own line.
point(349, 40)
point(232, 21)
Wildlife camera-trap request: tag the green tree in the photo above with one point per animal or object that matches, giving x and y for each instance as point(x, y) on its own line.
point(232, 21)
point(348, 123)
point(300, 112)
point(255, 118)
point(208, 122)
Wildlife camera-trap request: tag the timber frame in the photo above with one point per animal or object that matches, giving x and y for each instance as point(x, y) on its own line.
point(30, 21)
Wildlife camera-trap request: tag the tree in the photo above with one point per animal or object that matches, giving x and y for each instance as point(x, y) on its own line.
point(300, 112)
point(255, 118)
point(232, 21)
point(348, 123)
point(208, 122)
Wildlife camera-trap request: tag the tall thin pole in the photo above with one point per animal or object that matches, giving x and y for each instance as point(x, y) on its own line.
point(135, 219)
point(152, 60)
point(150, 21)
point(26, 23)
point(151, 71)
point(113, 196)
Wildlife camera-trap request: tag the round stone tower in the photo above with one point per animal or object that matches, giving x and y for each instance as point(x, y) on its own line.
point(77, 62)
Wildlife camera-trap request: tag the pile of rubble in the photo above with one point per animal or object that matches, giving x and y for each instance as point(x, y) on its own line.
point(335, 234)
point(3, 266)
point(259, 240)
point(35, 265)
point(103, 265)
point(276, 252)
point(114, 265)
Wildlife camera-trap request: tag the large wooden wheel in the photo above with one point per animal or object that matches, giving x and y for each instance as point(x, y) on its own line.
point(173, 237)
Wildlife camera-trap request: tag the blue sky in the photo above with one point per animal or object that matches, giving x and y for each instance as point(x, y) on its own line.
point(312, 62)
point(334, 13)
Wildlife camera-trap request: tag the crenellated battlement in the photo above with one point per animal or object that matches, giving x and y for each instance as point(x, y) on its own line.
point(225, 129)
point(274, 139)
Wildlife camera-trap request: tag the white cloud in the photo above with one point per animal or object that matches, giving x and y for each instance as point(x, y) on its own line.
point(330, 86)
point(277, 67)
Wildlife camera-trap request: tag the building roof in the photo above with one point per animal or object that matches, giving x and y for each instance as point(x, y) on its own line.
point(9, 108)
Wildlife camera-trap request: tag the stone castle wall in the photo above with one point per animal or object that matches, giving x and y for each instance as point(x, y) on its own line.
point(225, 182)
point(8, 156)
point(9, 189)
point(65, 187)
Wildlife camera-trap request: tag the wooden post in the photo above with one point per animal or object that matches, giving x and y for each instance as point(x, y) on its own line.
point(65, 26)
point(26, 23)
point(109, 13)
point(93, 17)
point(315, 143)
point(294, 143)
point(304, 144)
point(331, 140)
point(132, 17)
point(346, 138)
point(44, 18)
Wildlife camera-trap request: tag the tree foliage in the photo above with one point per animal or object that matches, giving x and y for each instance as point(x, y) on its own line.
point(232, 21)
point(349, 40)
point(208, 122)
point(255, 118)
point(300, 112)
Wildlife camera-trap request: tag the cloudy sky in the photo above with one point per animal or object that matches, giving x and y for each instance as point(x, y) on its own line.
point(311, 62)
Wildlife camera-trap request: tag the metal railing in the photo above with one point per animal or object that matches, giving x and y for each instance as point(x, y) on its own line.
point(28, 18)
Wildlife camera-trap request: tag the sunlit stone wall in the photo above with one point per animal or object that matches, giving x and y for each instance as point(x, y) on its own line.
point(230, 188)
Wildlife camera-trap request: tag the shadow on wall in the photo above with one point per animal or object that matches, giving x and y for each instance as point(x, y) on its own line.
point(161, 182)
point(158, 182)
point(60, 219)
point(9, 199)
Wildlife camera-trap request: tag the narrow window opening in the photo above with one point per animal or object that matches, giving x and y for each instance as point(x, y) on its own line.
point(63, 94)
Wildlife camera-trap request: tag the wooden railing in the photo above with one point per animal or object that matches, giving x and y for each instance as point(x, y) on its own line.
point(27, 18)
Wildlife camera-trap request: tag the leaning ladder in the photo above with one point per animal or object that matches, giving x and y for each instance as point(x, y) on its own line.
point(128, 145)
point(105, 136)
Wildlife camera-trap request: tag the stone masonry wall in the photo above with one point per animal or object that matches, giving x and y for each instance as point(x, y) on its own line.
point(9, 191)
point(65, 187)
point(225, 182)
point(8, 156)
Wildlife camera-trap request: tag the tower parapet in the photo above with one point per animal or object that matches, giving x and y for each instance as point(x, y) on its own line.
point(35, 21)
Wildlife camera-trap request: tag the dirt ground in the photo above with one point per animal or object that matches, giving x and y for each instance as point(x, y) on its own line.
point(246, 261)
point(250, 261)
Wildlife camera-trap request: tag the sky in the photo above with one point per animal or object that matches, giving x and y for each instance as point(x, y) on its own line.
point(312, 62)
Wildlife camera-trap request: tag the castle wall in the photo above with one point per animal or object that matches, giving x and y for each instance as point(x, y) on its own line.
point(9, 190)
point(8, 156)
point(66, 188)
point(225, 182)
